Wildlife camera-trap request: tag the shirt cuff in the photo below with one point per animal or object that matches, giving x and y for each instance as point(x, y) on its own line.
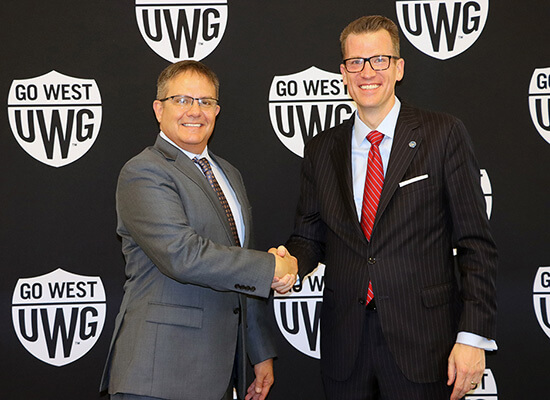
point(471, 339)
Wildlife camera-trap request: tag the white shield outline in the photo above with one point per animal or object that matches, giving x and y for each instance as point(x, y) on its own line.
point(36, 149)
point(536, 94)
point(46, 304)
point(541, 298)
point(163, 47)
point(305, 300)
point(301, 98)
point(423, 40)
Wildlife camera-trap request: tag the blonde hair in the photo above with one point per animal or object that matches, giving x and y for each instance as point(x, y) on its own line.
point(369, 24)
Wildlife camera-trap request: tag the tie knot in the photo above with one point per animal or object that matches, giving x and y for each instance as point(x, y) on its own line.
point(375, 137)
point(203, 163)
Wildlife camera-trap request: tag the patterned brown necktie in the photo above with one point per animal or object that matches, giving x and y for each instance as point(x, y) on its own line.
point(207, 170)
point(373, 189)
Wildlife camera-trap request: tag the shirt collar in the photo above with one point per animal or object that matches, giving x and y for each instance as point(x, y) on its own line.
point(386, 127)
point(187, 153)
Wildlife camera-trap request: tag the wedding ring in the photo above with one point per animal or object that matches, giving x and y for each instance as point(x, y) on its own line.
point(474, 385)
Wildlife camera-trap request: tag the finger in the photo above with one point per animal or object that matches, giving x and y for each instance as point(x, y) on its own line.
point(462, 386)
point(263, 393)
point(282, 251)
point(451, 372)
point(250, 391)
point(285, 280)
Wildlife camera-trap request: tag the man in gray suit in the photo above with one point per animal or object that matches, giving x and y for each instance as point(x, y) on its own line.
point(386, 197)
point(194, 304)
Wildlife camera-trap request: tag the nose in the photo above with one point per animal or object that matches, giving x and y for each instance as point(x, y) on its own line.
point(368, 72)
point(195, 108)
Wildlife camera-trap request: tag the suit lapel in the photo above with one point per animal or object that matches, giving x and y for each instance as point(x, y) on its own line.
point(186, 166)
point(235, 181)
point(406, 141)
point(341, 161)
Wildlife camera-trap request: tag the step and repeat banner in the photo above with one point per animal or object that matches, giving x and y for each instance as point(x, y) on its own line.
point(78, 81)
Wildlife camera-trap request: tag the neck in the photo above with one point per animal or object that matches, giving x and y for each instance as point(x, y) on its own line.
point(373, 117)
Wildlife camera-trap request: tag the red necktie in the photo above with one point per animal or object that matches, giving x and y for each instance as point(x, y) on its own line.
point(373, 189)
point(207, 170)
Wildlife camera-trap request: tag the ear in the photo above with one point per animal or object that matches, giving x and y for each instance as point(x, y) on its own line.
point(217, 110)
point(158, 107)
point(400, 64)
point(344, 75)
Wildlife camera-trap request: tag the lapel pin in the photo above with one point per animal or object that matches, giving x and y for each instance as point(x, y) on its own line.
point(412, 144)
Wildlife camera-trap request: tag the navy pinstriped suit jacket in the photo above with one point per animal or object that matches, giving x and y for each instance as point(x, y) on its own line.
point(422, 301)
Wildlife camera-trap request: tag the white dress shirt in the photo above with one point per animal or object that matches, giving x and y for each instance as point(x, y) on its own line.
point(224, 185)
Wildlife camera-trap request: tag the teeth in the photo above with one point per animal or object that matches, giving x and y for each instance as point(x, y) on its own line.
point(372, 86)
point(192, 125)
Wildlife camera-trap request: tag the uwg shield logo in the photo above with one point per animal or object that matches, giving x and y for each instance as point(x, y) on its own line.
point(486, 390)
point(306, 103)
point(54, 117)
point(539, 101)
point(541, 298)
point(59, 316)
point(182, 29)
point(442, 29)
point(298, 313)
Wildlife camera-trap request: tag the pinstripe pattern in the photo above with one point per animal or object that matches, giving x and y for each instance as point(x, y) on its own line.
point(377, 373)
point(409, 257)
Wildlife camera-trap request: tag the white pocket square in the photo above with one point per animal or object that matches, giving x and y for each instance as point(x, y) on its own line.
point(413, 180)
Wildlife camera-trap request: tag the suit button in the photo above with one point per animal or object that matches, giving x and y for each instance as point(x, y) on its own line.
point(372, 260)
point(236, 310)
point(361, 301)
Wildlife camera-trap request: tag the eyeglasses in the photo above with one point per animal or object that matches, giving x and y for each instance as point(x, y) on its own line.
point(377, 63)
point(186, 102)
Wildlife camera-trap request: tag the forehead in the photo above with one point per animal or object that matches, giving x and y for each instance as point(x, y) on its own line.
point(369, 44)
point(191, 83)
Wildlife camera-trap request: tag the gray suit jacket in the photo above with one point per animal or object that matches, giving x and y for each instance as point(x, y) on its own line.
point(177, 333)
point(421, 303)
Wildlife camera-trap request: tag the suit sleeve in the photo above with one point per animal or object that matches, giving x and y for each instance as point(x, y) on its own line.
point(154, 217)
point(259, 339)
point(476, 251)
point(307, 241)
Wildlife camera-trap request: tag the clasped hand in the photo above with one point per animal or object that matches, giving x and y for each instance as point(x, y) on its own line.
point(286, 269)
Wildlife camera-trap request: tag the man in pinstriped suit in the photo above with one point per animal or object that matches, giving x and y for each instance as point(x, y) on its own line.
point(433, 315)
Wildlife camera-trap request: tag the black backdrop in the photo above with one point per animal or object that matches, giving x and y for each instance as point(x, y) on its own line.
point(64, 217)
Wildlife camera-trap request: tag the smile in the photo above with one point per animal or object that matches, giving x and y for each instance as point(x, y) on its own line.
point(192, 125)
point(371, 86)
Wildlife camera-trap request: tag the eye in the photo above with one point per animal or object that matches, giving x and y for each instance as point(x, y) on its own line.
point(183, 100)
point(207, 102)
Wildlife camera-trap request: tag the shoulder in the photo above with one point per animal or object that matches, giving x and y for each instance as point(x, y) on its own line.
point(326, 139)
point(222, 162)
point(429, 119)
point(152, 163)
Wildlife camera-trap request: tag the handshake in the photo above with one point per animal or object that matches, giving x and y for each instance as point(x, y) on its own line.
point(286, 269)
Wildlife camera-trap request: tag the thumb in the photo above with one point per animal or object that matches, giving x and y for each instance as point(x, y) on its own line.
point(281, 251)
point(259, 385)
